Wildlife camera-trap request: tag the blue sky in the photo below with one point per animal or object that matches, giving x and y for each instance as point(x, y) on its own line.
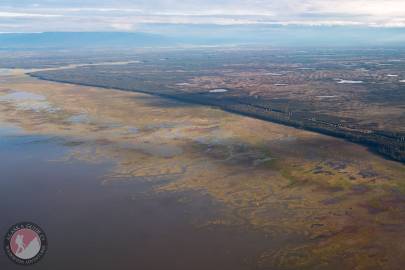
point(127, 15)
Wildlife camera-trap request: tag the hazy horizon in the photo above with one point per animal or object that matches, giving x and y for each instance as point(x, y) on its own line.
point(224, 22)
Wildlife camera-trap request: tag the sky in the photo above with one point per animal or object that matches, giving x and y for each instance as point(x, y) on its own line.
point(138, 15)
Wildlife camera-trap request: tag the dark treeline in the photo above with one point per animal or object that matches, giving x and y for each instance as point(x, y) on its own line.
point(386, 143)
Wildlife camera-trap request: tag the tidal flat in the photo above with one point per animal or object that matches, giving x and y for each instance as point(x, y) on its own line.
point(161, 182)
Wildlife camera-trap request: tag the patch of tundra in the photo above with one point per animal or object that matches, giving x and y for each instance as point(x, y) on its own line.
point(326, 96)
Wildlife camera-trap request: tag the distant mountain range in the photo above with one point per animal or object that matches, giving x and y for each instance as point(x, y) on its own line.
point(81, 40)
point(212, 35)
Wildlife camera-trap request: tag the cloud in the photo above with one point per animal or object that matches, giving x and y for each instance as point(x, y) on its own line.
point(123, 26)
point(124, 15)
point(29, 15)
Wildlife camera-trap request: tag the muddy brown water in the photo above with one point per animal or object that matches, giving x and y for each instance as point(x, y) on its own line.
point(118, 226)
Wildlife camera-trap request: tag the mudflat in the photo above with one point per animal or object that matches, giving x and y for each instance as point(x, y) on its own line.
point(198, 187)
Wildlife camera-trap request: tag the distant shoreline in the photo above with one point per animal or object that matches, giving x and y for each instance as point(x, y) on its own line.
point(388, 145)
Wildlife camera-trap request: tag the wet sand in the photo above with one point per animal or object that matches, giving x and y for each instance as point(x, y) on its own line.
point(135, 181)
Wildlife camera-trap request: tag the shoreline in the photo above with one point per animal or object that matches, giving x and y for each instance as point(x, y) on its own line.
point(393, 150)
